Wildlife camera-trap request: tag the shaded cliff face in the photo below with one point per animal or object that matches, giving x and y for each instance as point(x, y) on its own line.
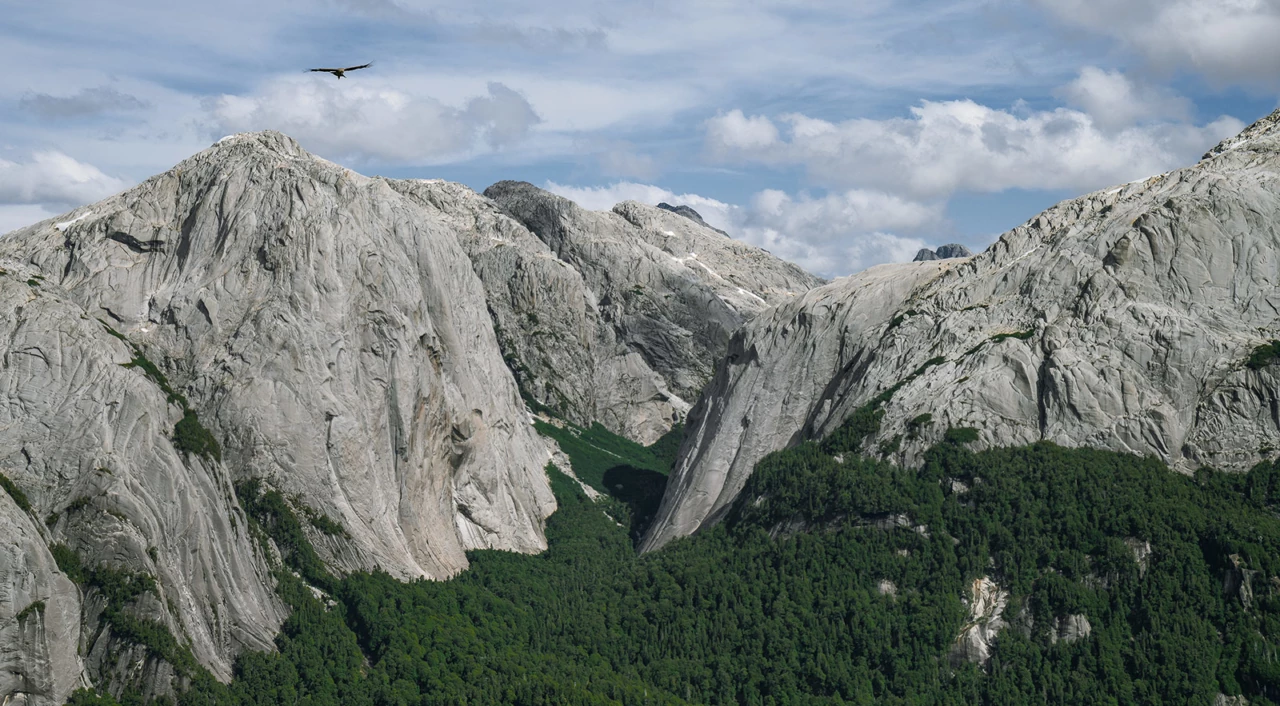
point(672, 290)
point(330, 332)
point(1120, 320)
point(565, 355)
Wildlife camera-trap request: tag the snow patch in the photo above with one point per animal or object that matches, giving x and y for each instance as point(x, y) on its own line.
point(67, 224)
point(752, 295)
point(708, 269)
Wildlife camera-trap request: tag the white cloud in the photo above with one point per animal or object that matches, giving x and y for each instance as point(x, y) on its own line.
point(1114, 101)
point(832, 235)
point(735, 131)
point(603, 198)
point(370, 121)
point(1229, 41)
point(54, 178)
point(952, 146)
point(20, 216)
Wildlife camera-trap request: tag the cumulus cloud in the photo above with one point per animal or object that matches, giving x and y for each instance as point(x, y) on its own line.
point(951, 146)
point(54, 178)
point(832, 235)
point(1228, 41)
point(371, 122)
point(1114, 101)
point(88, 102)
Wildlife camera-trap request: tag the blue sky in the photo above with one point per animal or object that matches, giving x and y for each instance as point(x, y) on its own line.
point(836, 134)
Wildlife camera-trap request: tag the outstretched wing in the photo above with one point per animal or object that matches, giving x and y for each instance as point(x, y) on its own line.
point(332, 71)
point(362, 66)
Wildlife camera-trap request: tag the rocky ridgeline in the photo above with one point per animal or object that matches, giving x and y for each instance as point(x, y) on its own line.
point(1120, 320)
point(257, 312)
point(944, 252)
point(673, 291)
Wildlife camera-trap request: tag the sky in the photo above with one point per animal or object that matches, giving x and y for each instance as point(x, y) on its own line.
point(835, 134)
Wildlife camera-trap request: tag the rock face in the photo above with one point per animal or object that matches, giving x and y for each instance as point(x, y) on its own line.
point(986, 603)
point(1119, 320)
point(39, 616)
point(944, 252)
point(673, 290)
point(88, 441)
point(564, 353)
point(1070, 628)
point(329, 331)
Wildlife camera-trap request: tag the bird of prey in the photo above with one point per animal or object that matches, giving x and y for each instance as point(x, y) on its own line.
point(342, 72)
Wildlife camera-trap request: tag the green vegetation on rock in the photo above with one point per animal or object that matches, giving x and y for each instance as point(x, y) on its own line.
point(631, 476)
point(1020, 335)
point(189, 435)
point(1264, 355)
point(19, 497)
point(119, 589)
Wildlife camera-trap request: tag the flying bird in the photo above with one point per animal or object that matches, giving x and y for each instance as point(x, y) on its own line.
point(342, 72)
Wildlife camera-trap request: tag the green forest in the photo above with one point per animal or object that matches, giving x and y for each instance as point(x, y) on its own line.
point(782, 603)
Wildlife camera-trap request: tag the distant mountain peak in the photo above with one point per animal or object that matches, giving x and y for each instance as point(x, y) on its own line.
point(1266, 128)
point(944, 252)
point(688, 212)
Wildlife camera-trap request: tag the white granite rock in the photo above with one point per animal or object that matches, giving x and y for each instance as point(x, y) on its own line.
point(1120, 320)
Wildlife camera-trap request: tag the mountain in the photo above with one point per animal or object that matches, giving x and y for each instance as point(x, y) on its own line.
point(1133, 319)
point(673, 290)
point(305, 325)
point(258, 319)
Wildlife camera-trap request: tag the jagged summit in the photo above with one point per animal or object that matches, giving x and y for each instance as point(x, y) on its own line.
point(1120, 320)
point(944, 252)
point(1262, 135)
point(688, 212)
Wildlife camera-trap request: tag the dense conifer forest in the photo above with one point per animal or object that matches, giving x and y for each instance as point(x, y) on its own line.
point(785, 601)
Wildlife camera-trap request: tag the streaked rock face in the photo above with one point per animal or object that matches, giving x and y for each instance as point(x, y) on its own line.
point(986, 603)
point(88, 440)
point(583, 318)
point(39, 616)
point(1119, 320)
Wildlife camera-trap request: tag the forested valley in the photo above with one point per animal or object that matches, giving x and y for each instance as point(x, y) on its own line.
point(836, 579)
